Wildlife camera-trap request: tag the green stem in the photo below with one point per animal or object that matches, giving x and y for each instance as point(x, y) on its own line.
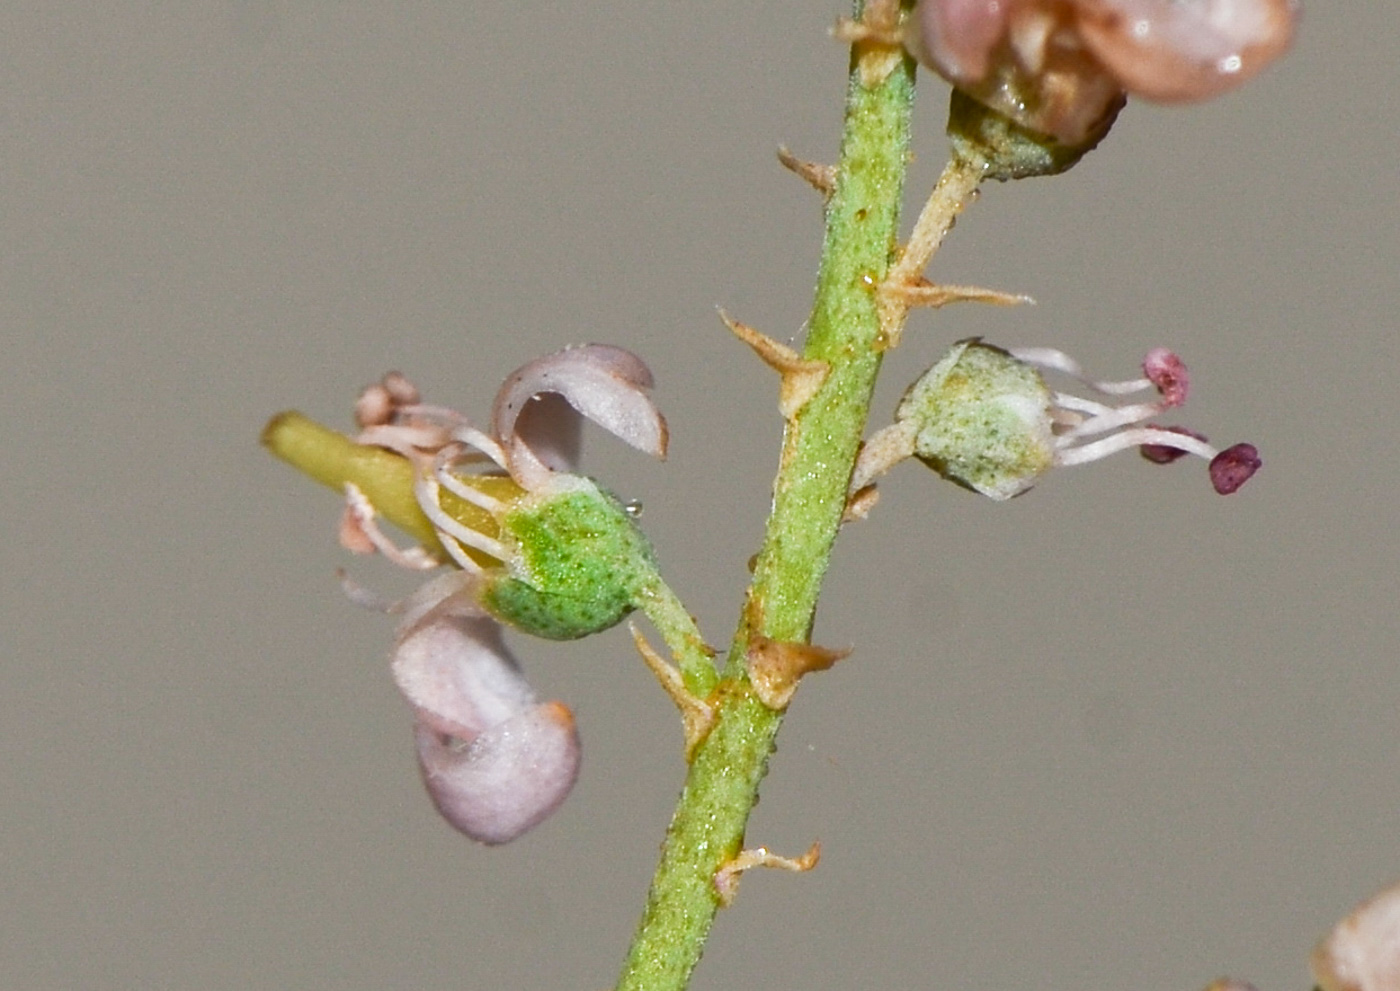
point(677, 627)
point(809, 499)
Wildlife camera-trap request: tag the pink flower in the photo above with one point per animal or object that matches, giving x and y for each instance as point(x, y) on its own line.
point(496, 760)
point(1062, 66)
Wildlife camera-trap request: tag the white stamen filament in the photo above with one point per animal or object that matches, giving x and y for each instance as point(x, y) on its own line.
point(483, 443)
point(426, 490)
point(404, 439)
point(366, 598)
point(1080, 454)
point(1111, 419)
point(1068, 401)
point(442, 471)
point(1057, 361)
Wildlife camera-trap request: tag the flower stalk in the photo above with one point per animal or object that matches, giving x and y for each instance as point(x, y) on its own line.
point(819, 451)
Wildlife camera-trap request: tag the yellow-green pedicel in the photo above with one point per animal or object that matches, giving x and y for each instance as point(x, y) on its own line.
point(578, 563)
point(981, 418)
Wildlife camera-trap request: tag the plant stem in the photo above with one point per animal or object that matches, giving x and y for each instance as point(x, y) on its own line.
point(677, 627)
point(819, 451)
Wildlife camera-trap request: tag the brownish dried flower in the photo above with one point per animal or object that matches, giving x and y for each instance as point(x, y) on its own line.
point(1062, 66)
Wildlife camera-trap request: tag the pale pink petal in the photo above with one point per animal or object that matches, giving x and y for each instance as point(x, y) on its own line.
point(1363, 952)
point(457, 674)
point(495, 761)
point(507, 780)
point(605, 384)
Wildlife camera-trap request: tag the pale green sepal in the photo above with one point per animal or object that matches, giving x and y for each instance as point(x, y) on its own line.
point(981, 418)
point(1008, 150)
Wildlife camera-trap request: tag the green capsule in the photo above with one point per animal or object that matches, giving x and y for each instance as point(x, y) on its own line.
point(577, 563)
point(981, 418)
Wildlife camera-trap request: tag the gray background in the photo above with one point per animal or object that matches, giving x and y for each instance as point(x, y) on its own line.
point(1118, 733)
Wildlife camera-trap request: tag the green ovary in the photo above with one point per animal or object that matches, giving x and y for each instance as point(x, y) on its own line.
point(578, 567)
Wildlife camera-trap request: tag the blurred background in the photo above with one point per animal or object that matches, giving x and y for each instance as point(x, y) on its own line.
point(1118, 733)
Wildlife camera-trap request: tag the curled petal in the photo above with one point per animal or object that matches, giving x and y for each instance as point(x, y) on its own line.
point(608, 385)
point(1175, 52)
point(508, 779)
point(554, 431)
point(458, 675)
point(495, 761)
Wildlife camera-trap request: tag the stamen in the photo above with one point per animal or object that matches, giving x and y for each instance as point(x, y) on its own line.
point(404, 438)
point(366, 598)
point(379, 403)
point(444, 415)
point(1111, 419)
point(400, 389)
point(1125, 439)
point(1057, 361)
point(468, 434)
point(1068, 401)
point(1168, 373)
point(1234, 466)
point(426, 489)
point(374, 408)
point(360, 522)
point(442, 471)
point(1162, 455)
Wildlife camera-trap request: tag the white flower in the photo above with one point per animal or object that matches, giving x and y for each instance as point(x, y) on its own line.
point(550, 553)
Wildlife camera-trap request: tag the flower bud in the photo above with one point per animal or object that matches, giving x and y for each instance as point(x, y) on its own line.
point(982, 419)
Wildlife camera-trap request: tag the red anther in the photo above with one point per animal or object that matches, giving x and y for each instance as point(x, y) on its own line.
point(1234, 466)
point(1168, 373)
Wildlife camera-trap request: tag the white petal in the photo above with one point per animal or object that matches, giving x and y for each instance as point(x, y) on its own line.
point(457, 674)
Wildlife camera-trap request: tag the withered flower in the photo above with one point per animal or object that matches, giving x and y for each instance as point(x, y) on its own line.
point(1062, 67)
